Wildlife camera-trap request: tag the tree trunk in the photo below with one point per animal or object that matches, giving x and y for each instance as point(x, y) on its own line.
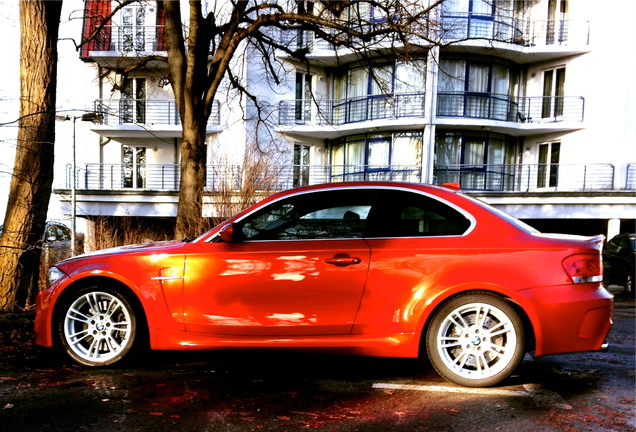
point(32, 178)
point(193, 158)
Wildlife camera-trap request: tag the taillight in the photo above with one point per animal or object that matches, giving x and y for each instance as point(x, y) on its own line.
point(584, 268)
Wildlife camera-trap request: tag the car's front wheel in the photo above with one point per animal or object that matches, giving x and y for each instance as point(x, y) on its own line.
point(97, 327)
point(476, 340)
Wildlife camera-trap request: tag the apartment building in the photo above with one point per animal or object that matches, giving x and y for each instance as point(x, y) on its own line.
point(527, 104)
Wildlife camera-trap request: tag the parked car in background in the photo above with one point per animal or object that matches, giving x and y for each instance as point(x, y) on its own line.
point(55, 242)
point(380, 269)
point(619, 256)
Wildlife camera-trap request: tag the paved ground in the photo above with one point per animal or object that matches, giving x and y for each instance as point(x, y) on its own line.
point(253, 391)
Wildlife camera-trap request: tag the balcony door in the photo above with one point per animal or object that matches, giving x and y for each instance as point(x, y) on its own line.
point(134, 167)
point(553, 93)
point(548, 168)
point(133, 100)
point(301, 165)
point(134, 33)
point(556, 29)
point(303, 98)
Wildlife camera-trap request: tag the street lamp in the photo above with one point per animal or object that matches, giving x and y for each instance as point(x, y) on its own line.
point(95, 118)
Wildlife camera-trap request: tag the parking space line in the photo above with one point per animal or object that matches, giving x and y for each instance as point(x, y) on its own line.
point(540, 396)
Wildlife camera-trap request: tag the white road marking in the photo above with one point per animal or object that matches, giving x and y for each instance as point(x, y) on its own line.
point(541, 397)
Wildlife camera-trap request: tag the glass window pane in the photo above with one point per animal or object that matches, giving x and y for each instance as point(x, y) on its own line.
point(355, 156)
point(326, 215)
point(478, 78)
point(381, 80)
point(407, 150)
point(379, 154)
point(451, 75)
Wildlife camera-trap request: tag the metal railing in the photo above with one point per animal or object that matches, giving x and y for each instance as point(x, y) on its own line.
point(129, 39)
point(144, 111)
point(460, 26)
point(477, 177)
point(467, 26)
point(454, 26)
point(335, 112)
point(630, 177)
point(528, 177)
point(532, 109)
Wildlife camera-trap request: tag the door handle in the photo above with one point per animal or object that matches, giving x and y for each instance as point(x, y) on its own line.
point(343, 260)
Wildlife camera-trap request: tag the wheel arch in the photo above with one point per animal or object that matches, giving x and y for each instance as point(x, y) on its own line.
point(430, 315)
point(111, 283)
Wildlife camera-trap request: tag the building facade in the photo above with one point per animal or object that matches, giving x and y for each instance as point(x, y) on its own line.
point(517, 104)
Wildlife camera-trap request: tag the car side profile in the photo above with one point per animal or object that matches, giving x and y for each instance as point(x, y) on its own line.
point(377, 269)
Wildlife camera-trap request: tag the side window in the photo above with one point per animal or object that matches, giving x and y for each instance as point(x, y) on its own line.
point(325, 215)
point(413, 215)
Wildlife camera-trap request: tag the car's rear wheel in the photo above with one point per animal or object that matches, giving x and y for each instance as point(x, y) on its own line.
point(97, 327)
point(476, 340)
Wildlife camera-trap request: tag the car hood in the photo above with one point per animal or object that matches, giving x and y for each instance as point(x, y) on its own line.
point(163, 246)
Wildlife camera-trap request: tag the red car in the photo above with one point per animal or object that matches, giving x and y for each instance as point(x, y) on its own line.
point(378, 269)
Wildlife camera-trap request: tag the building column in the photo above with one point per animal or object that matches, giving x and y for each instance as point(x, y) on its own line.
point(613, 228)
point(430, 108)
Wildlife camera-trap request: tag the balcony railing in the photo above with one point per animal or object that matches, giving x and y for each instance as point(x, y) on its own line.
point(536, 109)
point(335, 112)
point(129, 39)
point(630, 181)
point(467, 26)
point(460, 26)
point(528, 177)
point(144, 111)
point(482, 177)
point(491, 106)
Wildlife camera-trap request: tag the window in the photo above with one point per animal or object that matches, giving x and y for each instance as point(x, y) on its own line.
point(477, 89)
point(301, 165)
point(57, 233)
point(548, 169)
point(407, 214)
point(353, 214)
point(133, 100)
point(132, 29)
point(557, 31)
point(303, 98)
point(324, 215)
point(475, 160)
point(394, 157)
point(134, 167)
point(553, 93)
point(381, 91)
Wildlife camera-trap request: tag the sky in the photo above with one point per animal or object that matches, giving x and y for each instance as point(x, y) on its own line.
point(70, 96)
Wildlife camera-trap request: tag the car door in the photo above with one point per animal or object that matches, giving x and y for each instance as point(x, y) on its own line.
point(416, 240)
point(298, 266)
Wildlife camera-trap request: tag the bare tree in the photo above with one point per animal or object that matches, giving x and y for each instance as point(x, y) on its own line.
point(32, 178)
point(201, 50)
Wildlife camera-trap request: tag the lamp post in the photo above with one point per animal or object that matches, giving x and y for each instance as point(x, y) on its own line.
point(95, 118)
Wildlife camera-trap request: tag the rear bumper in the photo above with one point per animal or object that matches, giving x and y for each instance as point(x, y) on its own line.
point(570, 318)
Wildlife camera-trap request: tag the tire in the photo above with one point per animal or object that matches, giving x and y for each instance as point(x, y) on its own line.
point(97, 327)
point(476, 340)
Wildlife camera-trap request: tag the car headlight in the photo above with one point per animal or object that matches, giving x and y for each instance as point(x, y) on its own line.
point(54, 274)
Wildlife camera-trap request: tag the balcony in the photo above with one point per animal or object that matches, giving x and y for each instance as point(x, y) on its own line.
point(462, 26)
point(529, 177)
point(520, 116)
point(533, 109)
point(120, 45)
point(138, 117)
point(521, 178)
point(337, 112)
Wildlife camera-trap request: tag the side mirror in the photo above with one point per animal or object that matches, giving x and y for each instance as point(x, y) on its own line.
point(227, 233)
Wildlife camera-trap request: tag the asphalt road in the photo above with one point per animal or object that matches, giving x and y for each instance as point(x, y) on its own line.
point(254, 391)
